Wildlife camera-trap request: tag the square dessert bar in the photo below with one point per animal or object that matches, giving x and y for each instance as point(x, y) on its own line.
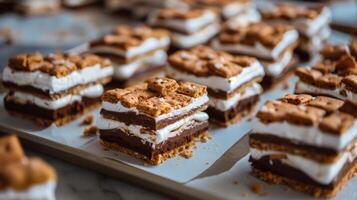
point(23, 178)
point(311, 22)
point(273, 45)
point(57, 88)
point(335, 75)
point(304, 142)
point(135, 51)
point(232, 81)
point(154, 120)
point(188, 28)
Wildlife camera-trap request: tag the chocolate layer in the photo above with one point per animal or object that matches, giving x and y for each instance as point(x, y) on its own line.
point(225, 116)
point(136, 144)
point(132, 118)
point(276, 166)
point(51, 115)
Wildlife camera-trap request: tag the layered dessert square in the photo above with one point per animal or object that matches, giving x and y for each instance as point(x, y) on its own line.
point(311, 22)
point(188, 28)
point(21, 177)
point(306, 143)
point(136, 52)
point(154, 121)
point(232, 81)
point(272, 45)
point(54, 89)
point(334, 75)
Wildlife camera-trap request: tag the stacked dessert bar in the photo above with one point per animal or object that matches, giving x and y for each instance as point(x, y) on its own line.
point(335, 75)
point(136, 52)
point(304, 142)
point(232, 81)
point(188, 28)
point(155, 120)
point(56, 88)
point(23, 178)
point(311, 22)
point(273, 45)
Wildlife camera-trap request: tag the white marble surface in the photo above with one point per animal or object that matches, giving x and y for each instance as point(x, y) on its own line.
point(78, 183)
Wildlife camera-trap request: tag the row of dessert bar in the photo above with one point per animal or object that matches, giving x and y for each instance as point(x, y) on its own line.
point(22, 177)
point(284, 29)
point(308, 140)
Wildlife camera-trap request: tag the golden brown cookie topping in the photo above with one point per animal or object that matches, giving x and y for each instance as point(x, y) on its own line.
point(297, 99)
point(164, 86)
point(350, 82)
point(172, 13)
point(26, 62)
point(191, 89)
point(156, 96)
point(125, 37)
point(267, 34)
point(337, 123)
point(327, 103)
point(292, 12)
point(154, 106)
point(10, 149)
point(204, 61)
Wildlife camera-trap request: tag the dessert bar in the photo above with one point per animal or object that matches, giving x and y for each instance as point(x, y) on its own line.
point(136, 52)
point(335, 75)
point(311, 22)
point(24, 178)
point(273, 45)
point(232, 81)
point(56, 88)
point(188, 27)
point(306, 143)
point(154, 120)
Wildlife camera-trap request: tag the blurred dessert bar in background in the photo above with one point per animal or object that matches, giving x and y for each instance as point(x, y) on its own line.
point(335, 75)
point(155, 120)
point(21, 177)
point(232, 81)
point(311, 22)
point(272, 45)
point(38, 7)
point(306, 143)
point(57, 88)
point(188, 28)
point(136, 52)
point(79, 3)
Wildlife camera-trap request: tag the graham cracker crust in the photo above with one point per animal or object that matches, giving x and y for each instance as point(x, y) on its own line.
point(315, 191)
point(157, 159)
point(246, 112)
point(58, 122)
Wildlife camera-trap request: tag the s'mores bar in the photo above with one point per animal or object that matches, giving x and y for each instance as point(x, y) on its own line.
point(335, 75)
point(155, 120)
point(311, 22)
point(273, 45)
point(23, 178)
point(137, 52)
point(54, 89)
point(188, 28)
point(232, 81)
point(304, 142)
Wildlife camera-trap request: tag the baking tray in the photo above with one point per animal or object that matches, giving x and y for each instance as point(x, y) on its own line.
point(212, 173)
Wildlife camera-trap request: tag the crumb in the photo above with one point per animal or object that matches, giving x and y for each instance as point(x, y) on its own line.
point(186, 154)
point(89, 131)
point(250, 119)
point(205, 138)
point(88, 120)
point(244, 194)
point(235, 182)
point(207, 163)
point(258, 189)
